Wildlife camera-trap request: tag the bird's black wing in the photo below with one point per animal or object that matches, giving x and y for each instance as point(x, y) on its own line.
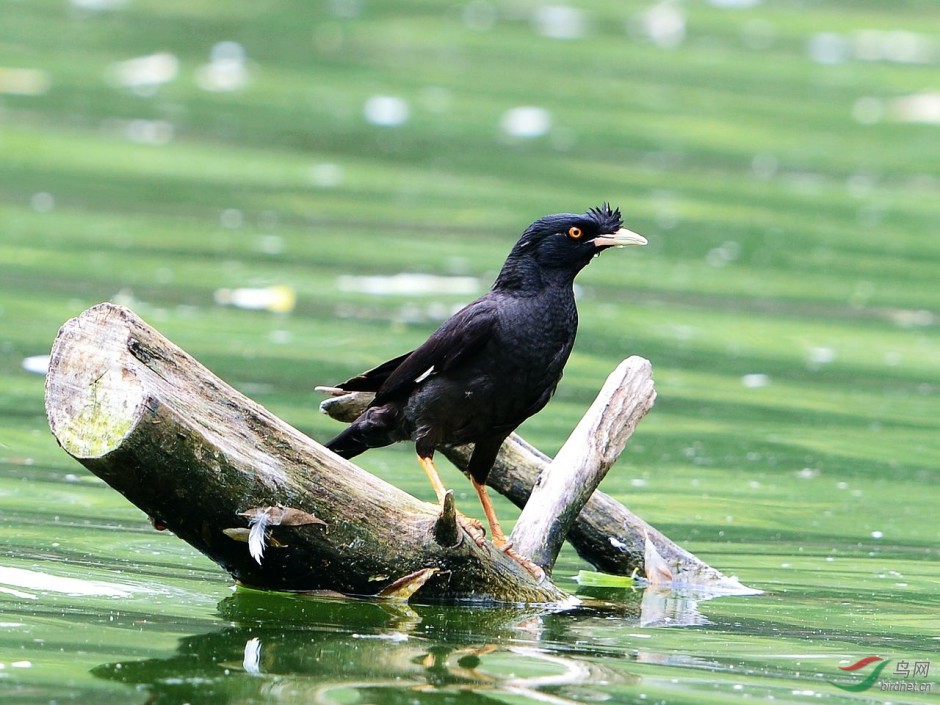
point(458, 339)
point(372, 380)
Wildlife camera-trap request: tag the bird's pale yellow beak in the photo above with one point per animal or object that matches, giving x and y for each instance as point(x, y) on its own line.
point(621, 238)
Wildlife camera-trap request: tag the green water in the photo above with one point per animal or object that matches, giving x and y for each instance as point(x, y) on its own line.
point(782, 160)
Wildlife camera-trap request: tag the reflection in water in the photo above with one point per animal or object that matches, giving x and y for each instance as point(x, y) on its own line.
point(658, 607)
point(236, 665)
point(288, 648)
point(666, 608)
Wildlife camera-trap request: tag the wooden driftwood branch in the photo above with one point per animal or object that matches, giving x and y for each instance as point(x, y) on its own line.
point(563, 488)
point(279, 511)
point(605, 533)
point(213, 467)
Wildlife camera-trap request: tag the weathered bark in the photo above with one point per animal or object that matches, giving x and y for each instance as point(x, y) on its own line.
point(217, 469)
point(196, 455)
point(604, 532)
point(570, 479)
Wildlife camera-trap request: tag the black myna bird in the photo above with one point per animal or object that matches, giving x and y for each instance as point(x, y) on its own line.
point(494, 363)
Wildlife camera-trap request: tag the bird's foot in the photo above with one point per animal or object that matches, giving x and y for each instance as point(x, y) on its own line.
point(473, 527)
point(526, 563)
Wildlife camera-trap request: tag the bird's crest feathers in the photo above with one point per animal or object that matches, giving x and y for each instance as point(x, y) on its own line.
point(609, 220)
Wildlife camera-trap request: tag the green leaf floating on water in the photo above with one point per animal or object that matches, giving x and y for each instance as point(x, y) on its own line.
point(593, 579)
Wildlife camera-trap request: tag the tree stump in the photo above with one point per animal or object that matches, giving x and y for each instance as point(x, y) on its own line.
point(279, 511)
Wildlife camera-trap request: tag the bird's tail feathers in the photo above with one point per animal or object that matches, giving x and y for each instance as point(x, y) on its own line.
point(348, 443)
point(375, 428)
point(372, 380)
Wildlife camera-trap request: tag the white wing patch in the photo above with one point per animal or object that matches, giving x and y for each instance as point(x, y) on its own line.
point(424, 375)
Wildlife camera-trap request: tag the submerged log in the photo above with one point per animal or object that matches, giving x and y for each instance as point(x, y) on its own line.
point(279, 511)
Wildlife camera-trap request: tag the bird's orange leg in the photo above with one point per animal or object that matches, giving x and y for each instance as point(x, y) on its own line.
point(496, 531)
point(431, 471)
point(499, 538)
point(473, 527)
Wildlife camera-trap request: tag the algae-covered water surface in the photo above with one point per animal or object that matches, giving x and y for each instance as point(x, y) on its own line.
point(294, 192)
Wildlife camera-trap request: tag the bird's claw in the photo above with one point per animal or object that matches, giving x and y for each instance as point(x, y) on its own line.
point(535, 570)
point(474, 529)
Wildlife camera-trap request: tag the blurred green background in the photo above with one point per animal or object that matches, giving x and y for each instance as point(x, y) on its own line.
point(250, 177)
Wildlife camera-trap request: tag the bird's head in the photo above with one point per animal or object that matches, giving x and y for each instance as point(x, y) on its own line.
point(567, 242)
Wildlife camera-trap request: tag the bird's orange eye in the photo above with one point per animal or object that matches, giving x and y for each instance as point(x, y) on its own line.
point(575, 232)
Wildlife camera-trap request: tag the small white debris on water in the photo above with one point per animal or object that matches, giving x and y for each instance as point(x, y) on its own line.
point(18, 593)
point(280, 337)
point(270, 244)
point(231, 218)
point(764, 165)
point(42, 202)
point(868, 110)
point(327, 175)
point(140, 131)
point(347, 9)
point(735, 4)
point(479, 15)
point(871, 45)
point(877, 535)
point(819, 356)
point(226, 70)
point(894, 46)
point(46, 582)
point(526, 122)
point(145, 74)
point(560, 22)
point(277, 299)
point(723, 254)
point(408, 284)
point(663, 24)
point(386, 111)
point(24, 82)
point(755, 380)
point(37, 364)
point(921, 108)
point(251, 661)
point(98, 5)
point(391, 636)
point(828, 48)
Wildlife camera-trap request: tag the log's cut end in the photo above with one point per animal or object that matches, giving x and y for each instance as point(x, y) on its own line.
point(92, 400)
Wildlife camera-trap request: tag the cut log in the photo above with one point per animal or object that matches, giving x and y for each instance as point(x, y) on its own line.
point(205, 462)
point(279, 511)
